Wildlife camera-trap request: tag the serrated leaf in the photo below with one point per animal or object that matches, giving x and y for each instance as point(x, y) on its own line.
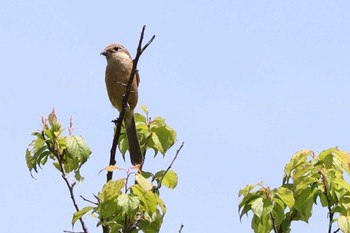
point(286, 196)
point(344, 223)
point(128, 203)
point(150, 201)
point(143, 182)
point(297, 159)
point(162, 136)
point(170, 179)
point(341, 182)
point(244, 191)
point(80, 213)
point(111, 189)
point(258, 206)
point(77, 148)
point(343, 158)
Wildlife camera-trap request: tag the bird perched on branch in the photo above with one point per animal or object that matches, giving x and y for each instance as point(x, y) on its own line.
point(118, 71)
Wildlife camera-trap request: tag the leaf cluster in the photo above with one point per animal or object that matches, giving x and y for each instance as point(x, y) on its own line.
point(308, 179)
point(68, 153)
point(132, 208)
point(129, 204)
point(153, 134)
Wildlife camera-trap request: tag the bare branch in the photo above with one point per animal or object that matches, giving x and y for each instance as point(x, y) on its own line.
point(182, 226)
point(87, 200)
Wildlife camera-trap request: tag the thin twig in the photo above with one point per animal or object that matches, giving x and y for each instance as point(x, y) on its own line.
point(182, 226)
point(136, 223)
point(87, 200)
point(171, 164)
point(119, 121)
point(70, 186)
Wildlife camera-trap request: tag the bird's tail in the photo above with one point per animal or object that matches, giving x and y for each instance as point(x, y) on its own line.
point(136, 155)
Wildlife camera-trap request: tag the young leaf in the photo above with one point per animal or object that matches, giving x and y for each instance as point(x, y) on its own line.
point(111, 190)
point(143, 182)
point(170, 179)
point(77, 148)
point(80, 213)
point(344, 223)
point(296, 160)
point(128, 203)
point(258, 206)
point(286, 196)
point(144, 108)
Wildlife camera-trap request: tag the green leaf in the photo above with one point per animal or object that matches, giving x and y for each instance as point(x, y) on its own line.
point(286, 196)
point(80, 213)
point(77, 148)
point(170, 179)
point(143, 182)
point(246, 190)
point(128, 203)
point(342, 183)
point(139, 118)
point(145, 109)
point(262, 225)
point(111, 190)
point(246, 203)
point(162, 137)
point(303, 204)
point(258, 206)
point(150, 202)
point(343, 159)
point(344, 223)
point(297, 159)
point(278, 211)
point(30, 161)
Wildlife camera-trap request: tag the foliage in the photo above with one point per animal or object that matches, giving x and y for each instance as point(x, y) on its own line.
point(308, 179)
point(68, 153)
point(129, 204)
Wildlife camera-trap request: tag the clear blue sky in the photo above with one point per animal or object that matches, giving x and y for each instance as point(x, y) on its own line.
point(246, 84)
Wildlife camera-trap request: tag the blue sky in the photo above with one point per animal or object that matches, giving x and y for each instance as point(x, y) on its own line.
point(246, 84)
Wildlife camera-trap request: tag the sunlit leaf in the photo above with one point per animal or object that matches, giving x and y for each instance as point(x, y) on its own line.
point(143, 182)
point(258, 206)
point(128, 203)
point(110, 168)
point(286, 196)
point(144, 108)
point(80, 213)
point(303, 203)
point(344, 223)
point(170, 179)
point(77, 147)
point(296, 160)
point(111, 189)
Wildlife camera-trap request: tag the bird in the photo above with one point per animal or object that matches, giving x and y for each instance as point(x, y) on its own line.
point(118, 70)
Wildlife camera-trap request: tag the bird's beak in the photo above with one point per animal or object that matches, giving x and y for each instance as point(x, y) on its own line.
point(104, 53)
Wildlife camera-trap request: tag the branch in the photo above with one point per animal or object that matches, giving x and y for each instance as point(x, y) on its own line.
point(87, 200)
point(171, 164)
point(70, 186)
point(119, 121)
point(182, 226)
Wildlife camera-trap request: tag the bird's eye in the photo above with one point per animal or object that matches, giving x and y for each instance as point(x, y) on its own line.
point(116, 48)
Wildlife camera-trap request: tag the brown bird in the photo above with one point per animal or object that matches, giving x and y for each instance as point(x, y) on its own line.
point(118, 70)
